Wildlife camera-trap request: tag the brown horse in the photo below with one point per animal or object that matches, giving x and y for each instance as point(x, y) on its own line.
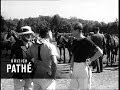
point(64, 42)
point(6, 43)
point(69, 46)
point(112, 46)
point(61, 45)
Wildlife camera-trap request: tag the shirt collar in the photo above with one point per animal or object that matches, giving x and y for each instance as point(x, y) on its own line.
point(45, 40)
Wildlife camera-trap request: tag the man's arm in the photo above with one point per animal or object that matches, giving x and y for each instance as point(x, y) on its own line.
point(104, 45)
point(94, 51)
point(72, 62)
point(53, 55)
point(54, 66)
point(13, 34)
point(98, 53)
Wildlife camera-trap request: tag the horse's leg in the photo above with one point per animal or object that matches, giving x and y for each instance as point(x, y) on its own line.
point(6, 52)
point(70, 56)
point(12, 53)
point(115, 55)
point(8, 48)
point(108, 56)
point(112, 57)
point(116, 50)
point(3, 49)
point(60, 53)
point(64, 54)
point(115, 58)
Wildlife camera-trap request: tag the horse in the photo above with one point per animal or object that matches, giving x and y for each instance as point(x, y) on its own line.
point(6, 43)
point(69, 46)
point(116, 47)
point(61, 45)
point(9, 40)
point(112, 45)
point(64, 42)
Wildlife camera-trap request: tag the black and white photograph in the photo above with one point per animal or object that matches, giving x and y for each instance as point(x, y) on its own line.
point(59, 45)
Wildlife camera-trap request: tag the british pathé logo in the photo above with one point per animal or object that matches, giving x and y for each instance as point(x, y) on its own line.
point(19, 66)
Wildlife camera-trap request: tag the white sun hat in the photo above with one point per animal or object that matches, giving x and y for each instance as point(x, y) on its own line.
point(26, 30)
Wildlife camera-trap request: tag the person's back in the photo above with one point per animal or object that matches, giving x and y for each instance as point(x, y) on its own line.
point(45, 52)
point(44, 56)
point(98, 39)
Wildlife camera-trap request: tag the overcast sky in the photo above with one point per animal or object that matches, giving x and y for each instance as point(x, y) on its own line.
point(99, 10)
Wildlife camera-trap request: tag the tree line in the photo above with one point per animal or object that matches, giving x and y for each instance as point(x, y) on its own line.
point(57, 24)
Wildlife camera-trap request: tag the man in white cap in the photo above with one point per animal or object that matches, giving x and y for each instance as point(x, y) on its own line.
point(19, 50)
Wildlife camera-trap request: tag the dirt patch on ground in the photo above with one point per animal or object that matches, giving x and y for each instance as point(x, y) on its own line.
point(106, 80)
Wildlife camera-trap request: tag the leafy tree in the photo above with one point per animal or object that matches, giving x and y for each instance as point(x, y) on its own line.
point(64, 26)
point(103, 27)
point(58, 24)
point(55, 22)
point(3, 24)
point(113, 27)
point(19, 25)
point(11, 24)
point(42, 25)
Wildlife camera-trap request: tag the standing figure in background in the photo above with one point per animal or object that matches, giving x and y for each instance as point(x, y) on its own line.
point(99, 40)
point(90, 35)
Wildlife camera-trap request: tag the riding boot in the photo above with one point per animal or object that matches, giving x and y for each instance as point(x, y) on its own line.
point(101, 63)
point(98, 65)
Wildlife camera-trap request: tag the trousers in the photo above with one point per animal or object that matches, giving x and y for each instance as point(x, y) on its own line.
point(44, 84)
point(81, 77)
point(99, 63)
point(20, 84)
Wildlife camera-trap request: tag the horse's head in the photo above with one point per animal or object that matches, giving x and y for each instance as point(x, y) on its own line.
point(9, 34)
point(110, 40)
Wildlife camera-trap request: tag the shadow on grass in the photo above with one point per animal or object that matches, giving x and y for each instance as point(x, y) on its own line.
point(112, 67)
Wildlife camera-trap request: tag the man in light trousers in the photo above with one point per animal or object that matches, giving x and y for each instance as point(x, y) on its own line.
point(84, 52)
point(47, 66)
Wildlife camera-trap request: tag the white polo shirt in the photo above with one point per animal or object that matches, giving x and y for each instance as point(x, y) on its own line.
point(47, 50)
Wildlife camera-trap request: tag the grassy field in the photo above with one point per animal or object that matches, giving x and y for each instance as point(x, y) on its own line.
point(107, 80)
